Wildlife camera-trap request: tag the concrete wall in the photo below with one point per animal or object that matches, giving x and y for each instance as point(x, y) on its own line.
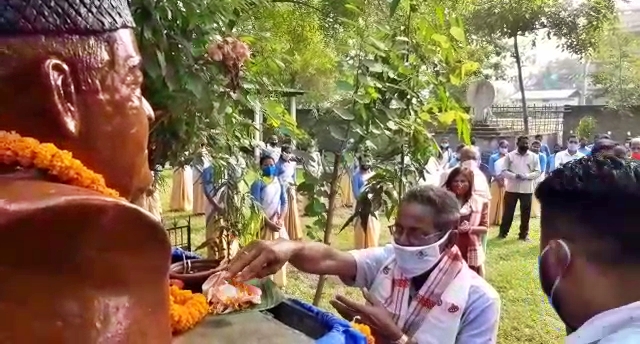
point(607, 119)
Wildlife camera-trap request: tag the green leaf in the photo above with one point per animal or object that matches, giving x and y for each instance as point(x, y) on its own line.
point(393, 6)
point(443, 40)
point(373, 66)
point(337, 132)
point(344, 114)
point(457, 33)
point(344, 86)
point(271, 295)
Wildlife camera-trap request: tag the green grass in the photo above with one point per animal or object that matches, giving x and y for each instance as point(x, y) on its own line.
point(511, 269)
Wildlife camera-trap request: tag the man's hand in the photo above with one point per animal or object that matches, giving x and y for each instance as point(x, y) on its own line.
point(260, 259)
point(372, 314)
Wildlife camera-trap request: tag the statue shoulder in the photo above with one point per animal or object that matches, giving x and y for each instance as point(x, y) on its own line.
point(46, 205)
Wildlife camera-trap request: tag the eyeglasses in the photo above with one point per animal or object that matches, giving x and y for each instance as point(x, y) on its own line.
point(415, 238)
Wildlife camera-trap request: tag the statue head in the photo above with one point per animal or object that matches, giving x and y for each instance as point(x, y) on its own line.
point(70, 74)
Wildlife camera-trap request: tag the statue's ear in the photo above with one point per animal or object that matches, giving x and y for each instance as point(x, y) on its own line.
point(62, 95)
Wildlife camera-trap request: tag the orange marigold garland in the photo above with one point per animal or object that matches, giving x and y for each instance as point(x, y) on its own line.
point(186, 309)
point(27, 152)
point(365, 330)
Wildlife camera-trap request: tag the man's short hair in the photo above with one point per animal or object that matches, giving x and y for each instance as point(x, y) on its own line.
point(444, 204)
point(536, 142)
point(593, 203)
point(572, 136)
point(522, 138)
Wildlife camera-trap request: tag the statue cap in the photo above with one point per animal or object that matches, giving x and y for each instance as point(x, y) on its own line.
point(63, 17)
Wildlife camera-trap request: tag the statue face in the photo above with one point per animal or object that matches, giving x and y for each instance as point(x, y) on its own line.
point(99, 114)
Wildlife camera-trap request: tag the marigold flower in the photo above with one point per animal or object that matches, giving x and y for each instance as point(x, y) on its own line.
point(365, 330)
point(186, 309)
point(27, 152)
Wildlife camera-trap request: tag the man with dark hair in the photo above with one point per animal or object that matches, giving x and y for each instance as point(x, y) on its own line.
point(571, 153)
point(419, 290)
point(603, 146)
point(590, 252)
point(521, 169)
point(543, 146)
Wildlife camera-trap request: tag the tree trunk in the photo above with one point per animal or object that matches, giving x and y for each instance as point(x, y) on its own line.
point(525, 115)
point(333, 190)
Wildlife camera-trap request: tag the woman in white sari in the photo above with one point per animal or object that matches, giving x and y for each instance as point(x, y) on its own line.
point(272, 195)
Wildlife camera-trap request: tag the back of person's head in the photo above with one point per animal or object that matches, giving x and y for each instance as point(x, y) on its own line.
point(603, 146)
point(620, 152)
point(468, 153)
point(460, 147)
point(593, 203)
point(590, 258)
point(538, 137)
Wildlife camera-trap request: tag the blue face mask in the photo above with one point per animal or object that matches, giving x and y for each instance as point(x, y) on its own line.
point(269, 171)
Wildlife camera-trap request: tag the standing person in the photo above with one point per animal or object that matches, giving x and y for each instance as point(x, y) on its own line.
point(272, 147)
point(634, 147)
point(535, 205)
point(370, 237)
point(583, 149)
point(571, 153)
point(272, 196)
point(474, 145)
point(346, 181)
point(544, 149)
point(200, 162)
point(182, 189)
point(447, 153)
point(474, 218)
point(418, 287)
point(497, 184)
point(521, 168)
point(589, 262)
point(287, 175)
point(456, 157)
point(551, 161)
point(469, 159)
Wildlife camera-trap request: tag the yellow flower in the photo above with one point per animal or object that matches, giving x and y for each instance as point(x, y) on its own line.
point(186, 309)
point(365, 330)
point(26, 152)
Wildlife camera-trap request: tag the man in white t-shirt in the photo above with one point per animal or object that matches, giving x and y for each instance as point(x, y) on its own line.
point(419, 289)
point(569, 154)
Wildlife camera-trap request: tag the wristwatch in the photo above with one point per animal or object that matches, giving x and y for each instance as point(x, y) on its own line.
point(403, 340)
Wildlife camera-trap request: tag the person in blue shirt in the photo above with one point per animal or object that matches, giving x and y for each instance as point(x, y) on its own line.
point(583, 149)
point(544, 149)
point(551, 160)
point(456, 159)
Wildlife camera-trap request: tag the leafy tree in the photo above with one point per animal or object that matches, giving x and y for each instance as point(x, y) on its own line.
point(396, 86)
point(578, 26)
point(618, 69)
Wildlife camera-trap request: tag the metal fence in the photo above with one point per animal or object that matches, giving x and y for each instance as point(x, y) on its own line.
point(179, 230)
point(543, 119)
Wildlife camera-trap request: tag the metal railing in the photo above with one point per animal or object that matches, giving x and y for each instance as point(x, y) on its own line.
point(543, 119)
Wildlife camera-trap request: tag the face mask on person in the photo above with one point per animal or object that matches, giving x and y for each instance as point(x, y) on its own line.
point(550, 284)
point(503, 150)
point(269, 171)
point(413, 261)
point(444, 145)
point(572, 147)
point(635, 155)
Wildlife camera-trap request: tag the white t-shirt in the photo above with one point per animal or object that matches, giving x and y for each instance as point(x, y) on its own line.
point(616, 326)
point(564, 157)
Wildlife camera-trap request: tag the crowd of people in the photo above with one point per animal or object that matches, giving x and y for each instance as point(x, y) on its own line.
point(427, 285)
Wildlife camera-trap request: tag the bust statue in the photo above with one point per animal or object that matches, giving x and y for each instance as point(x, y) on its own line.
point(78, 266)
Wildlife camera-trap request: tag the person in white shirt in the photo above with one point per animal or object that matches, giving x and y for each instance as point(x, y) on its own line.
point(419, 289)
point(589, 262)
point(571, 153)
point(521, 169)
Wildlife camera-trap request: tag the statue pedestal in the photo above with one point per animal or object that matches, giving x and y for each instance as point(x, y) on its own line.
point(291, 322)
point(246, 328)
